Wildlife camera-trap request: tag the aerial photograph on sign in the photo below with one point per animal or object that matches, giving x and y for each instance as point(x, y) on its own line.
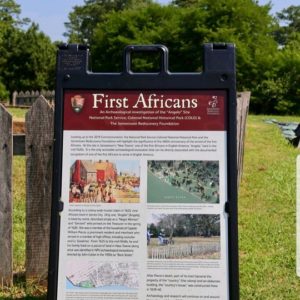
point(183, 181)
point(183, 236)
point(92, 275)
point(104, 181)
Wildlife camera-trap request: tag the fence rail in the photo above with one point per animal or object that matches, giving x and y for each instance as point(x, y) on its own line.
point(37, 145)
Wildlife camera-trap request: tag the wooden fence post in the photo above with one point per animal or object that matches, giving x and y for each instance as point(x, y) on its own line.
point(243, 101)
point(39, 143)
point(14, 98)
point(6, 153)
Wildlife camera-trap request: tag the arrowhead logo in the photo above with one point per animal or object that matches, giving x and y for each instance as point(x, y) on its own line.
point(77, 103)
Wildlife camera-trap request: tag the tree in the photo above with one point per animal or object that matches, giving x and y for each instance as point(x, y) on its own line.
point(183, 26)
point(189, 225)
point(169, 223)
point(27, 55)
point(184, 30)
point(83, 19)
point(9, 18)
point(146, 25)
point(153, 230)
point(10, 14)
point(208, 225)
point(281, 91)
point(29, 60)
point(290, 17)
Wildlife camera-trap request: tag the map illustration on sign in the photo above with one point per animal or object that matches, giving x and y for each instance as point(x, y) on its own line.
point(106, 181)
point(183, 181)
point(91, 275)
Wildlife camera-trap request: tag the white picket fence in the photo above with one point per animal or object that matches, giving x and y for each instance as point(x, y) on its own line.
point(186, 250)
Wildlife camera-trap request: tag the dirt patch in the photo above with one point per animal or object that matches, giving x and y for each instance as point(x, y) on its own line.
point(18, 126)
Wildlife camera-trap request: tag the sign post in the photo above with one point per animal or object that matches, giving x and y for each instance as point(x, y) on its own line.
point(144, 185)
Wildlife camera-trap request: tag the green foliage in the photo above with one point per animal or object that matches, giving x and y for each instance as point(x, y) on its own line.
point(4, 94)
point(30, 60)
point(9, 14)
point(280, 91)
point(27, 55)
point(18, 113)
point(21, 289)
point(291, 19)
point(83, 19)
point(146, 25)
point(269, 71)
point(184, 30)
point(186, 225)
point(267, 214)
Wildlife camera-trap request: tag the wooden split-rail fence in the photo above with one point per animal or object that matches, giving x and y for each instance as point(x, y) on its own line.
point(38, 149)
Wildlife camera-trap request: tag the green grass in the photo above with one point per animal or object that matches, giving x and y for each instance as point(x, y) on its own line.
point(267, 218)
point(18, 112)
point(19, 212)
point(20, 290)
point(267, 214)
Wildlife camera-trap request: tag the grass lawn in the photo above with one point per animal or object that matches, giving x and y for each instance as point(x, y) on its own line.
point(18, 112)
point(267, 214)
point(20, 290)
point(267, 218)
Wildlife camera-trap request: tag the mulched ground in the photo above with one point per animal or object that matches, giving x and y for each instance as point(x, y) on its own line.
point(18, 126)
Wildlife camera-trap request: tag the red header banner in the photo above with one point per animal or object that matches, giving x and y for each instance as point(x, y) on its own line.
point(144, 110)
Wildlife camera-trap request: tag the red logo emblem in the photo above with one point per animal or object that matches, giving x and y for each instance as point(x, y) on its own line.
point(213, 108)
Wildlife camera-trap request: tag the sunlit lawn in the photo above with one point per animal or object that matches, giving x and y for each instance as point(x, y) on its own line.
point(267, 214)
point(18, 113)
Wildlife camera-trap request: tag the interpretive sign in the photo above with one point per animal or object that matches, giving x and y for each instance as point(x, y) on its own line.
point(144, 195)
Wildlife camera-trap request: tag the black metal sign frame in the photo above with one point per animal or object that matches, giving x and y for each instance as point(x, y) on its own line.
point(218, 74)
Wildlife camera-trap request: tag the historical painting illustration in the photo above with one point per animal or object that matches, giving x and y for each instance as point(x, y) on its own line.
point(104, 181)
